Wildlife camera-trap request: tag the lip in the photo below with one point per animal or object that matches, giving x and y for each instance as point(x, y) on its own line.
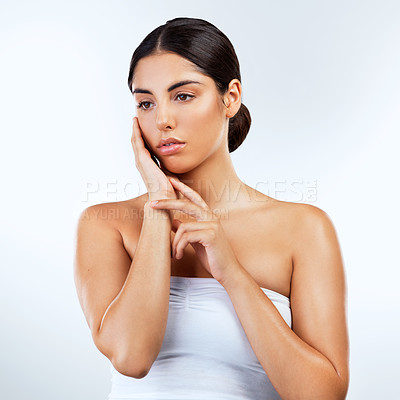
point(172, 149)
point(170, 139)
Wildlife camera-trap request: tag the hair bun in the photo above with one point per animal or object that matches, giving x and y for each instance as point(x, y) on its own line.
point(239, 126)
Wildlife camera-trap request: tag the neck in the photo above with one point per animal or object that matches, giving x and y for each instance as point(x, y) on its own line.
point(217, 183)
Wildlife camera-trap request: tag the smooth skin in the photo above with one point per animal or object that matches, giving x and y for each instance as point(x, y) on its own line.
point(216, 226)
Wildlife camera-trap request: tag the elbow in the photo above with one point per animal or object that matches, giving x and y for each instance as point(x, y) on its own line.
point(341, 384)
point(344, 387)
point(134, 366)
point(134, 371)
point(131, 365)
point(338, 389)
point(328, 387)
point(134, 361)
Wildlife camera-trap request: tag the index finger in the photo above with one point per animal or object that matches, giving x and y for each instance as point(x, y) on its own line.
point(189, 193)
point(136, 139)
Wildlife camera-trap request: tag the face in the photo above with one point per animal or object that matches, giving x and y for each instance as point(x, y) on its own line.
point(193, 113)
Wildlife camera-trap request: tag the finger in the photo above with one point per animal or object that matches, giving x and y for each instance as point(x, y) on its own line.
point(133, 129)
point(185, 206)
point(189, 193)
point(139, 142)
point(184, 227)
point(181, 245)
point(169, 174)
point(137, 139)
point(175, 225)
point(200, 236)
point(134, 139)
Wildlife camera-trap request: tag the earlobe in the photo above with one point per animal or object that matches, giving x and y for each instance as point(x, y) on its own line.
point(227, 105)
point(233, 111)
point(233, 107)
point(229, 110)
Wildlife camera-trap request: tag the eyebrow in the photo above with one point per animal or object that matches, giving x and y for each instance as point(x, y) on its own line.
point(172, 87)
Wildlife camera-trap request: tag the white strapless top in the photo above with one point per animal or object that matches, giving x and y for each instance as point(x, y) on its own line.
point(205, 353)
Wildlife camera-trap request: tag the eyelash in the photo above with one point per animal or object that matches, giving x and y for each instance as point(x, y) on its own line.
point(180, 94)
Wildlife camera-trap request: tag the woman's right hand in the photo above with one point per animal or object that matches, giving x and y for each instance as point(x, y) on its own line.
point(156, 180)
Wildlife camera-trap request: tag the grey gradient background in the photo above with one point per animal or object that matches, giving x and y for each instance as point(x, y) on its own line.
point(321, 80)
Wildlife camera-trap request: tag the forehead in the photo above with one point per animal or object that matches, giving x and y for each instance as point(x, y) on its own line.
point(162, 69)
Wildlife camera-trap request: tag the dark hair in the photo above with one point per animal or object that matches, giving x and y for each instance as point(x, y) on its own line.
point(210, 50)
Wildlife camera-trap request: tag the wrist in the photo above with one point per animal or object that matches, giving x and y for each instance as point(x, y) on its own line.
point(154, 213)
point(160, 195)
point(233, 278)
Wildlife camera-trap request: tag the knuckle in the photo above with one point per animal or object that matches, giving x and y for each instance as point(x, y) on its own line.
point(183, 226)
point(184, 235)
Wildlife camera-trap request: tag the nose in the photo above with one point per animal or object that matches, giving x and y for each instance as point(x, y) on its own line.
point(165, 118)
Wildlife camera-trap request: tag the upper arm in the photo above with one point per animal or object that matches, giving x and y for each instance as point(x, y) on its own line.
point(101, 266)
point(318, 289)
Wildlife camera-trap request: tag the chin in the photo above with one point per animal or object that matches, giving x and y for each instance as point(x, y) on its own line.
point(177, 170)
point(177, 167)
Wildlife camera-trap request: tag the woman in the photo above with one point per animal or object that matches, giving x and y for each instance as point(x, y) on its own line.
point(217, 291)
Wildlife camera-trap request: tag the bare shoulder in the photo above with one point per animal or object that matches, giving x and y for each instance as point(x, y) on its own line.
point(115, 213)
point(312, 239)
point(294, 208)
point(301, 217)
point(298, 217)
point(311, 213)
point(309, 229)
point(124, 218)
point(311, 224)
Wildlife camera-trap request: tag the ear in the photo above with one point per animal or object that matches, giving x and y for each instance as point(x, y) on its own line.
point(233, 98)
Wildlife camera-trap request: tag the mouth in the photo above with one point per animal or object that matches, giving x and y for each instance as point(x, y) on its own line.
point(170, 148)
point(169, 140)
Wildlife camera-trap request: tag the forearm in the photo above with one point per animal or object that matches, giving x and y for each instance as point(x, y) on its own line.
point(295, 369)
point(135, 322)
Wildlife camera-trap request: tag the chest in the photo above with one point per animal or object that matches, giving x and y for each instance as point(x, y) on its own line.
point(263, 250)
point(261, 243)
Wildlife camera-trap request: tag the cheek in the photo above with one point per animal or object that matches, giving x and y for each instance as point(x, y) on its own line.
point(204, 118)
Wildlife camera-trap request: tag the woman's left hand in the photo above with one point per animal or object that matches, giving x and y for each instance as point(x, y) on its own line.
point(205, 235)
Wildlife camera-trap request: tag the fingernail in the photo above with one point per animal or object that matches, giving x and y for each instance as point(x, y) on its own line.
point(152, 203)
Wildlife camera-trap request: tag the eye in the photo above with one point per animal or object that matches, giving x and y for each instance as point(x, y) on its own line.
point(140, 105)
point(185, 95)
point(145, 105)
